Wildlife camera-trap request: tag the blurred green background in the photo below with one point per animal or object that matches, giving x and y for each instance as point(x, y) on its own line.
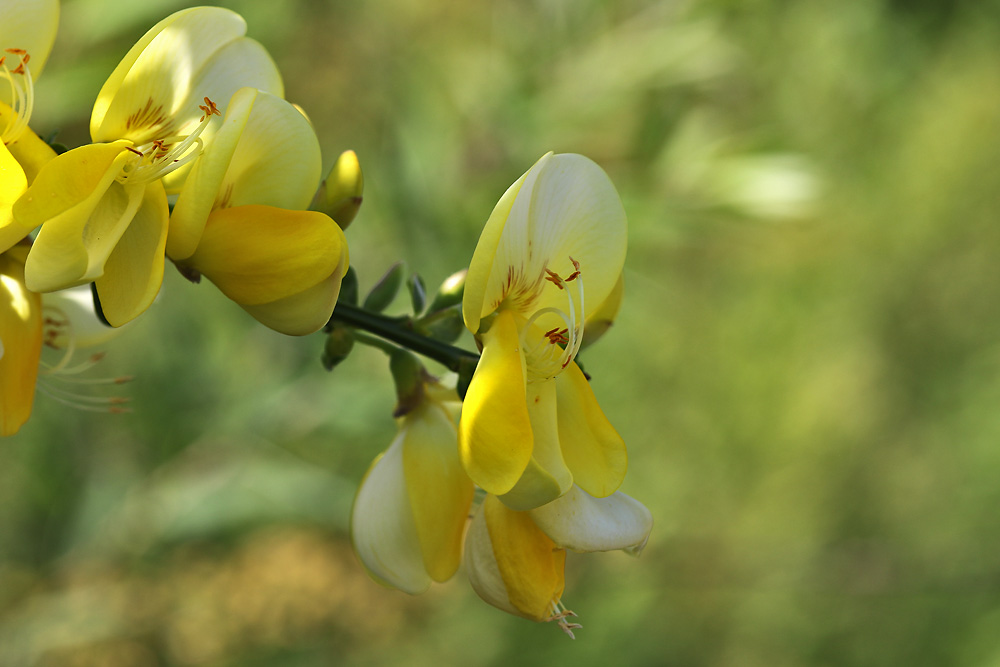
point(806, 368)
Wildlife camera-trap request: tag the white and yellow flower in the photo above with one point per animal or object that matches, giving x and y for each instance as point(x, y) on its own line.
point(409, 515)
point(530, 425)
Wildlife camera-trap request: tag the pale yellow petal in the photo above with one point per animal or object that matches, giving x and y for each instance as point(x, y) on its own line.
point(20, 345)
point(591, 447)
point(481, 566)
point(134, 270)
point(382, 528)
point(31, 153)
point(580, 522)
point(546, 476)
point(30, 25)
point(440, 492)
point(203, 185)
point(600, 319)
point(495, 437)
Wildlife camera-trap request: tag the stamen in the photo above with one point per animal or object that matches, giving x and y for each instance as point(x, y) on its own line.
point(22, 96)
point(543, 362)
point(159, 157)
point(559, 614)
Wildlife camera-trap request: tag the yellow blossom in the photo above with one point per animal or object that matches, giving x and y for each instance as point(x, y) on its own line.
point(530, 425)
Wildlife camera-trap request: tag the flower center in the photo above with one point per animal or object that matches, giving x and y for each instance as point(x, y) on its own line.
point(547, 355)
point(157, 158)
point(22, 93)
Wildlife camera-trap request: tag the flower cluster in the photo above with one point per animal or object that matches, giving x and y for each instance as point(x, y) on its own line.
point(196, 157)
point(531, 434)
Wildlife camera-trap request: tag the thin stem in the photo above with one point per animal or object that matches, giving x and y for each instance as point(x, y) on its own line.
point(399, 331)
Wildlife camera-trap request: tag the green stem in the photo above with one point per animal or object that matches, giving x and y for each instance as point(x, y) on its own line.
point(399, 331)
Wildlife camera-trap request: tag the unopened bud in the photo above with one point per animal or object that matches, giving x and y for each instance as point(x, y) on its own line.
point(445, 325)
point(385, 289)
point(340, 195)
point(450, 292)
point(339, 343)
point(409, 376)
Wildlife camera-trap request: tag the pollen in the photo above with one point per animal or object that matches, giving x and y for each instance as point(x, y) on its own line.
point(209, 108)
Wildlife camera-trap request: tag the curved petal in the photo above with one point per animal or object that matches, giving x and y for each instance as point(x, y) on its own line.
point(83, 211)
point(382, 528)
point(580, 522)
point(12, 185)
point(600, 319)
point(31, 152)
point(440, 492)
point(203, 185)
point(259, 254)
point(20, 344)
point(134, 270)
point(592, 448)
point(76, 306)
point(30, 25)
point(546, 477)
point(495, 436)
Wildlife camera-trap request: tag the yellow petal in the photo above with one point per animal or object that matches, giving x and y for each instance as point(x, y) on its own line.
point(580, 522)
point(83, 211)
point(529, 563)
point(12, 185)
point(134, 270)
point(592, 448)
point(303, 313)
point(20, 344)
point(440, 492)
point(600, 319)
point(495, 437)
point(258, 254)
point(31, 152)
point(546, 477)
point(29, 25)
point(382, 529)
point(156, 89)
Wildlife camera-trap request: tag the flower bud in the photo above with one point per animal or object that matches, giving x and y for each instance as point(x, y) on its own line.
point(340, 195)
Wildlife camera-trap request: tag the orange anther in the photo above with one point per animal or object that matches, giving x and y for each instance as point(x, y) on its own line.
point(554, 278)
point(209, 108)
point(19, 52)
point(576, 265)
point(19, 69)
point(129, 148)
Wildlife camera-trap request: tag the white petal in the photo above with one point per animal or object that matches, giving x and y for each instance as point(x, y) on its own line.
point(580, 522)
point(382, 527)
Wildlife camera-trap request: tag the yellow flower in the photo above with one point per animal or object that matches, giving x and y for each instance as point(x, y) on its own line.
point(410, 512)
point(103, 207)
point(20, 341)
point(530, 425)
point(516, 560)
point(238, 219)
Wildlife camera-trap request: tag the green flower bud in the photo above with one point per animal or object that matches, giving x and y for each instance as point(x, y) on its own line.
point(339, 196)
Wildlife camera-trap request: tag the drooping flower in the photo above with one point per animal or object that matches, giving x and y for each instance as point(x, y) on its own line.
point(103, 207)
point(239, 220)
point(411, 509)
point(516, 560)
point(530, 425)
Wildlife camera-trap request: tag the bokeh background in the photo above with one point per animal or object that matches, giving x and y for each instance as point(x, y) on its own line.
point(806, 368)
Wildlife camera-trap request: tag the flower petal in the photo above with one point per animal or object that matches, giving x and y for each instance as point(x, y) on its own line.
point(259, 254)
point(29, 150)
point(495, 436)
point(592, 448)
point(83, 211)
point(20, 343)
point(134, 270)
point(580, 522)
point(382, 529)
point(546, 477)
point(600, 319)
point(440, 492)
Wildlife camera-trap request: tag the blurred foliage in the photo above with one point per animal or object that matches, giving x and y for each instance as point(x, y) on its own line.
point(806, 367)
